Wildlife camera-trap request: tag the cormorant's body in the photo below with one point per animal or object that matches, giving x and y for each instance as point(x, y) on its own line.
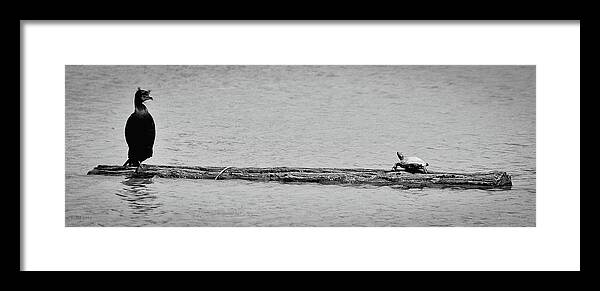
point(139, 131)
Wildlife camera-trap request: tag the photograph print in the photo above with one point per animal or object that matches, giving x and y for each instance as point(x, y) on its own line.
point(300, 145)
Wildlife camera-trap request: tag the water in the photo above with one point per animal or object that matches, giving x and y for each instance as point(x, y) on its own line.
point(457, 118)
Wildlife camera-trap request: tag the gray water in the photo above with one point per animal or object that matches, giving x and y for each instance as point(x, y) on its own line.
point(457, 118)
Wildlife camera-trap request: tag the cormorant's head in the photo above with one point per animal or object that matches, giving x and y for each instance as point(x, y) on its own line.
point(143, 95)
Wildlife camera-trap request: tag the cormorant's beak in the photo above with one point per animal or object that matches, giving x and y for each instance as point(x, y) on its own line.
point(148, 96)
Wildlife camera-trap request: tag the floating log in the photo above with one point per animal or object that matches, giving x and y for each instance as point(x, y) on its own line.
point(378, 177)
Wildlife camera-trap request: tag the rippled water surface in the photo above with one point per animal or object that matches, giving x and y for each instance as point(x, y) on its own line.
point(457, 118)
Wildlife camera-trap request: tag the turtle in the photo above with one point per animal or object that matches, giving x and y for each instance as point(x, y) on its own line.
point(411, 164)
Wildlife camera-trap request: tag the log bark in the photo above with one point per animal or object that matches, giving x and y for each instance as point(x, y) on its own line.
point(357, 176)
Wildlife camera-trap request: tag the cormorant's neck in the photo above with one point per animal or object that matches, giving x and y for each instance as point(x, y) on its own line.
point(139, 106)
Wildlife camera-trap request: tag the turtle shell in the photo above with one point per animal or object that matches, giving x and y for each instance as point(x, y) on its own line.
point(412, 162)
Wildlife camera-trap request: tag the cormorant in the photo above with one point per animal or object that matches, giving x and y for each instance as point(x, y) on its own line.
point(139, 131)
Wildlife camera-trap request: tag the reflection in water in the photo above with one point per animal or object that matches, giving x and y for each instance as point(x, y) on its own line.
point(139, 197)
